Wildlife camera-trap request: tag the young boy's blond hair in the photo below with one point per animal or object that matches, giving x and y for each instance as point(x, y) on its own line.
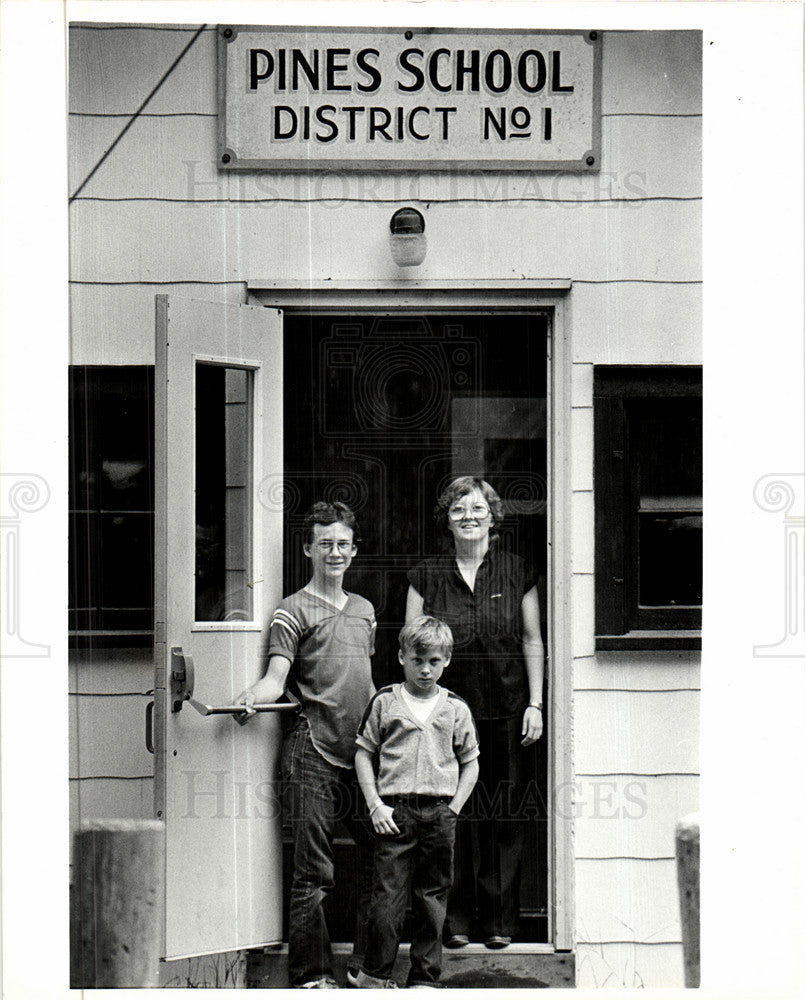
point(426, 632)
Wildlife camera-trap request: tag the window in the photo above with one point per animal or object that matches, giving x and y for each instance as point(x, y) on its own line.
point(648, 507)
point(224, 402)
point(111, 505)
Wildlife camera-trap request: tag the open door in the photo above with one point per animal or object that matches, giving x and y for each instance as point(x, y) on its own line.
point(218, 573)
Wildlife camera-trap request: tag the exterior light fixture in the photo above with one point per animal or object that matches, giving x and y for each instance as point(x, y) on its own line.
point(408, 242)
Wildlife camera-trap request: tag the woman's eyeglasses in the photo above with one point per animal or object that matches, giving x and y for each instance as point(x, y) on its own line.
point(343, 547)
point(478, 511)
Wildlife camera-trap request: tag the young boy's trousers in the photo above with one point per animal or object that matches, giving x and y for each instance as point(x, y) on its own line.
point(419, 857)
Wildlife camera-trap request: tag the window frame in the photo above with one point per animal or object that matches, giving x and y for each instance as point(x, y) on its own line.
point(615, 387)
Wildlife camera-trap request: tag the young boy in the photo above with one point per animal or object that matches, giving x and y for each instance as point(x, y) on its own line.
point(320, 645)
point(425, 744)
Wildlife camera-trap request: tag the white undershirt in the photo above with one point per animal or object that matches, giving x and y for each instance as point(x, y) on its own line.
point(420, 707)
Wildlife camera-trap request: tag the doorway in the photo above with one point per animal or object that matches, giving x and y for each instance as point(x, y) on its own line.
point(381, 410)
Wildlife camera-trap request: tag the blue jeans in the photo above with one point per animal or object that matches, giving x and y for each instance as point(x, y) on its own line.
point(318, 795)
point(419, 857)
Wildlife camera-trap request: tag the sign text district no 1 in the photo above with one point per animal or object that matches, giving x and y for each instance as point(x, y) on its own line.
point(293, 98)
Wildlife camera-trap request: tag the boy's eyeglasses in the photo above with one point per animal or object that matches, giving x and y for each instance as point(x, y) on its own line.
point(343, 547)
point(477, 510)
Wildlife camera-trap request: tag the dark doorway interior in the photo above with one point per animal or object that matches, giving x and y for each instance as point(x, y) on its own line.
point(381, 411)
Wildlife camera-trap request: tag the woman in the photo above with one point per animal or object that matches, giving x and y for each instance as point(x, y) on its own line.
point(489, 599)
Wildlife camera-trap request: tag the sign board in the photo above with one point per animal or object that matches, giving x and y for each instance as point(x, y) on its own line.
point(423, 99)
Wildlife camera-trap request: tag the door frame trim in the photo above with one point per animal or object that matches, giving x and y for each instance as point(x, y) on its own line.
point(491, 295)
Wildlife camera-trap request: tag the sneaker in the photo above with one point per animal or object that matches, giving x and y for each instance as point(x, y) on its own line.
point(366, 982)
point(325, 983)
point(498, 941)
point(457, 941)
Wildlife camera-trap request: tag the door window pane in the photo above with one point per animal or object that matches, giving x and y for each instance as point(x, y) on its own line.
point(224, 434)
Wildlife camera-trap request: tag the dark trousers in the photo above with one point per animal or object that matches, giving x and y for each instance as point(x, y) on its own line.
point(319, 795)
point(420, 857)
point(490, 823)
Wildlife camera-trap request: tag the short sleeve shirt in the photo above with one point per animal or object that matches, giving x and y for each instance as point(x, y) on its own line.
point(331, 672)
point(487, 668)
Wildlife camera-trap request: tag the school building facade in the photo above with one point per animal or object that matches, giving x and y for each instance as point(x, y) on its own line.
point(243, 342)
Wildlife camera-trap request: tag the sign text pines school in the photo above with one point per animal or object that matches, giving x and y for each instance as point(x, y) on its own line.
point(491, 99)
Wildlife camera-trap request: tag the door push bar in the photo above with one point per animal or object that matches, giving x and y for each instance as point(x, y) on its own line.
point(182, 680)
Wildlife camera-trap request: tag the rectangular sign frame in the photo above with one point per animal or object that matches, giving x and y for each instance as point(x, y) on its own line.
point(587, 161)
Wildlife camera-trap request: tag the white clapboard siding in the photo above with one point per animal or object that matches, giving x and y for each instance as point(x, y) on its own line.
point(582, 532)
point(581, 384)
point(612, 324)
point(111, 798)
point(114, 324)
point(582, 612)
point(581, 448)
point(638, 670)
point(626, 899)
point(646, 72)
point(113, 69)
point(631, 816)
point(144, 241)
point(652, 72)
point(107, 737)
point(111, 671)
point(648, 732)
point(158, 157)
point(629, 966)
point(175, 157)
point(634, 323)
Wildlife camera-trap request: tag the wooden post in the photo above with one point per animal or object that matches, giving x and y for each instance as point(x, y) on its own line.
point(118, 904)
point(687, 867)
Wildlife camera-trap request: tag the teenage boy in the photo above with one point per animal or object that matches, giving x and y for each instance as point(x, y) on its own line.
point(423, 740)
point(320, 644)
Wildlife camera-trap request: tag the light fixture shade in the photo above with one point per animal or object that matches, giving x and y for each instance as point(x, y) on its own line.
point(408, 249)
point(407, 240)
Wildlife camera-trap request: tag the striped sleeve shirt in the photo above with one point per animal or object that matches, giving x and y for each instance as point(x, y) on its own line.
point(331, 673)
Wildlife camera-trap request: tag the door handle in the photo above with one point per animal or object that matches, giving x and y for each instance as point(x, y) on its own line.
point(274, 706)
point(237, 711)
point(182, 682)
point(182, 678)
point(149, 727)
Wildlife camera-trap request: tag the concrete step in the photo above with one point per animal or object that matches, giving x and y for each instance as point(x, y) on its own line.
point(472, 967)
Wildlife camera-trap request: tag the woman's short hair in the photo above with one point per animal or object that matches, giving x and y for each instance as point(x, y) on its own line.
point(460, 488)
point(425, 632)
point(328, 513)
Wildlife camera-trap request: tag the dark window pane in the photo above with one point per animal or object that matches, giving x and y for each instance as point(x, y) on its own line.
point(223, 493)
point(670, 560)
point(125, 484)
point(667, 434)
point(80, 559)
point(111, 498)
point(125, 561)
